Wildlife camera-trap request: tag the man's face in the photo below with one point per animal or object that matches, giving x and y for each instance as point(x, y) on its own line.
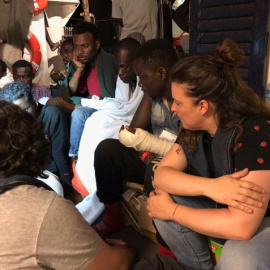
point(124, 64)
point(85, 47)
point(66, 52)
point(152, 83)
point(24, 74)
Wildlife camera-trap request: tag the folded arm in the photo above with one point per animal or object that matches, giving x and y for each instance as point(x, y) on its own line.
point(225, 190)
point(227, 223)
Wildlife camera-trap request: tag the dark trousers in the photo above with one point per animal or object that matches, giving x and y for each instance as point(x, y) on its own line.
point(56, 126)
point(114, 164)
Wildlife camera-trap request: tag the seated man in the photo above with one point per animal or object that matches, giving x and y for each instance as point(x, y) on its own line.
point(106, 122)
point(92, 73)
point(55, 119)
point(115, 163)
point(56, 127)
point(20, 94)
point(66, 52)
point(50, 231)
point(23, 70)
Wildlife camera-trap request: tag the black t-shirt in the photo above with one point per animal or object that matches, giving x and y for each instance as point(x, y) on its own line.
point(253, 146)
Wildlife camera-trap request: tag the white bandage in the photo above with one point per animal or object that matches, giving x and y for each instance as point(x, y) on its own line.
point(145, 141)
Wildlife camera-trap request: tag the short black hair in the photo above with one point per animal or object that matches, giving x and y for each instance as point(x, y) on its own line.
point(157, 53)
point(22, 63)
point(130, 44)
point(3, 66)
point(87, 27)
point(67, 41)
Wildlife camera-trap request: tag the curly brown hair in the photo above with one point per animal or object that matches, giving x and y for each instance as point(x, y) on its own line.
point(23, 146)
point(215, 78)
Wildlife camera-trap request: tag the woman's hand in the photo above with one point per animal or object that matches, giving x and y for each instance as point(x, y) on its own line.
point(232, 191)
point(160, 205)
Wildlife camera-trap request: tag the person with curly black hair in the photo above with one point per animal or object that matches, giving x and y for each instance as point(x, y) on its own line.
point(24, 149)
point(55, 124)
point(40, 229)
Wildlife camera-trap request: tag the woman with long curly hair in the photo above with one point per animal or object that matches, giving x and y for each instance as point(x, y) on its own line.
point(222, 151)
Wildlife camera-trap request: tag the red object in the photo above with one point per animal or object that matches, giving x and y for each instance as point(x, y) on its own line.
point(165, 251)
point(77, 184)
point(144, 155)
point(39, 5)
point(93, 83)
point(112, 222)
point(77, 75)
point(35, 51)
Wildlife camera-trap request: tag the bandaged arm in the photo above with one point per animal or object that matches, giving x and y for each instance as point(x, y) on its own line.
point(142, 140)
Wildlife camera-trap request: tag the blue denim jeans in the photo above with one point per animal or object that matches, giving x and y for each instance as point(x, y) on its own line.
point(78, 119)
point(189, 247)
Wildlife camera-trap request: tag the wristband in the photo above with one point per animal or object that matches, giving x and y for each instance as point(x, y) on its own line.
point(77, 75)
point(174, 211)
point(144, 155)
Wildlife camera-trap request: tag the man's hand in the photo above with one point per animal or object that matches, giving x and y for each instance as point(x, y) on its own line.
point(232, 191)
point(75, 60)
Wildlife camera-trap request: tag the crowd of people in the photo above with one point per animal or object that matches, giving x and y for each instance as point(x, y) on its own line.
point(189, 129)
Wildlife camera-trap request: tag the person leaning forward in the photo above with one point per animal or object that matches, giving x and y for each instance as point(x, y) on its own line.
point(51, 232)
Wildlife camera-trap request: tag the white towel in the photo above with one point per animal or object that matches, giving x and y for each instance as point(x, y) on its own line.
point(103, 124)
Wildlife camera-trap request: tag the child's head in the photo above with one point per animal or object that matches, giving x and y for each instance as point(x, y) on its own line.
point(3, 69)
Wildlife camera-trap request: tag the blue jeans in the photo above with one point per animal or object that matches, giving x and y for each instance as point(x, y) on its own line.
point(189, 247)
point(78, 119)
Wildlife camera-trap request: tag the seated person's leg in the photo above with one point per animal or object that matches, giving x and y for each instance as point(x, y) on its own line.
point(190, 248)
point(251, 254)
point(57, 128)
point(114, 163)
point(78, 119)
